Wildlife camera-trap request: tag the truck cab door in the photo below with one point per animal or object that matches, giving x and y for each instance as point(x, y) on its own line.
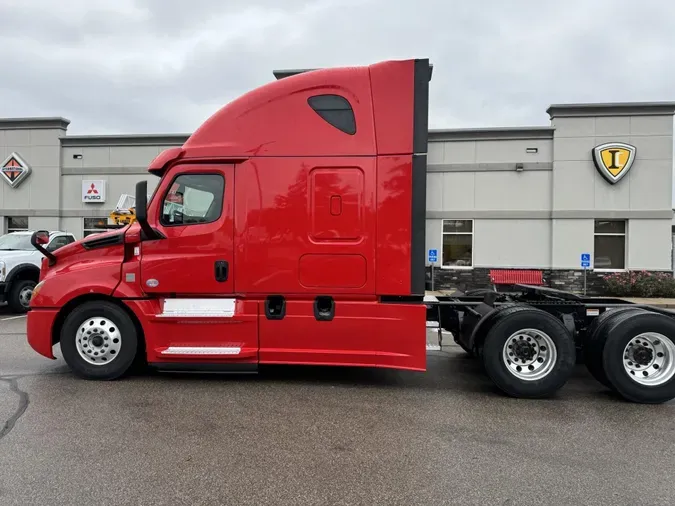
point(193, 209)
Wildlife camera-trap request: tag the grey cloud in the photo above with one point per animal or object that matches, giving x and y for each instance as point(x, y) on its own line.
point(165, 65)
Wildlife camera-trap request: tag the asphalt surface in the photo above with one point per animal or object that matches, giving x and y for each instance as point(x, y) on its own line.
point(320, 436)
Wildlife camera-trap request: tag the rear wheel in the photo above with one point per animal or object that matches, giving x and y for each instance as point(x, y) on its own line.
point(639, 357)
point(528, 352)
point(595, 342)
point(99, 341)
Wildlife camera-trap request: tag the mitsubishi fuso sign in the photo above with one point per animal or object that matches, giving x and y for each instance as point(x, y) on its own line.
point(93, 191)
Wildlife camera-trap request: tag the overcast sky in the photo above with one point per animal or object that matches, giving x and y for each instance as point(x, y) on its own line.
point(156, 66)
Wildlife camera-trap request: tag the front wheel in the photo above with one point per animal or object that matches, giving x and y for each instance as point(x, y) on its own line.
point(528, 353)
point(20, 294)
point(99, 341)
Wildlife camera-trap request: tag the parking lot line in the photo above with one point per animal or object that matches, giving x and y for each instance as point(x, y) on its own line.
point(12, 318)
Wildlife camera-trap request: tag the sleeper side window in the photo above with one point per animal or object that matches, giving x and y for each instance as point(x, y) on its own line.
point(336, 110)
point(193, 199)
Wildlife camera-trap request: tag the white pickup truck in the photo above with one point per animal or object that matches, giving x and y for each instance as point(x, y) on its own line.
point(20, 266)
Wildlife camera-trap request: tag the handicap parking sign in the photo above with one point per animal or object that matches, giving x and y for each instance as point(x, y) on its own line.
point(433, 255)
point(585, 260)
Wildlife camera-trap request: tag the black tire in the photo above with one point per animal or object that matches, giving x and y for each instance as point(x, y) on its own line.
point(596, 336)
point(621, 330)
point(512, 320)
point(16, 293)
point(86, 314)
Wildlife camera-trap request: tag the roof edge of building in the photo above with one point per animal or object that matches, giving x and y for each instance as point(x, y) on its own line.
point(35, 123)
point(73, 141)
point(611, 109)
point(495, 133)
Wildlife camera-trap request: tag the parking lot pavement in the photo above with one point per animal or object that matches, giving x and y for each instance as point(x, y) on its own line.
point(321, 436)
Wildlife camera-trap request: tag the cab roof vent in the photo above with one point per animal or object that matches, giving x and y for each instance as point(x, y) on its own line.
point(280, 74)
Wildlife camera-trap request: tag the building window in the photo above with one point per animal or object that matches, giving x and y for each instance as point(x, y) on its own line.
point(17, 224)
point(609, 243)
point(335, 110)
point(93, 226)
point(457, 243)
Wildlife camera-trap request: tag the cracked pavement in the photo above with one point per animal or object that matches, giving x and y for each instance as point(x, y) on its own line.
point(320, 436)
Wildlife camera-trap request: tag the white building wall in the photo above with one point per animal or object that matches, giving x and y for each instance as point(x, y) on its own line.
point(512, 243)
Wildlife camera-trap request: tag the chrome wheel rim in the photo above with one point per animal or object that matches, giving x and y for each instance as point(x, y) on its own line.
point(98, 340)
point(529, 354)
point(25, 295)
point(649, 359)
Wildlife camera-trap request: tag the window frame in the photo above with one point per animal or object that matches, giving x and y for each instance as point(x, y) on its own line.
point(623, 234)
point(92, 230)
point(472, 234)
point(160, 208)
point(10, 230)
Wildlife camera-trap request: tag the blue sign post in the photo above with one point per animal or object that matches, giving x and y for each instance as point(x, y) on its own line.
point(433, 258)
point(585, 264)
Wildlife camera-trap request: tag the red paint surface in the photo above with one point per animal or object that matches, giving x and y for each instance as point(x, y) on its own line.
point(361, 334)
point(277, 221)
point(394, 180)
point(39, 330)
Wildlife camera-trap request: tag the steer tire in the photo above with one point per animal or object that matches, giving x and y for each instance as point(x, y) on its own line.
point(562, 357)
point(15, 295)
point(627, 328)
point(596, 336)
point(120, 335)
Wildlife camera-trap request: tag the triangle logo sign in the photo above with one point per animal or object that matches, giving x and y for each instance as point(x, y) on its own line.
point(14, 170)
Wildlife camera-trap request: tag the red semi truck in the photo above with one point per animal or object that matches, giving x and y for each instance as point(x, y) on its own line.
point(290, 229)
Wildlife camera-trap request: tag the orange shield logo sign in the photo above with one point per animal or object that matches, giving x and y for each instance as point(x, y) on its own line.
point(14, 170)
point(613, 160)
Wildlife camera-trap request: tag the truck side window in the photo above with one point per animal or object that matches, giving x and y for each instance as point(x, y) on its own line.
point(57, 243)
point(336, 110)
point(193, 199)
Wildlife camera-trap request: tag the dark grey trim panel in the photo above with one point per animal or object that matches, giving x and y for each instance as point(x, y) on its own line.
point(485, 134)
point(104, 171)
point(547, 215)
point(648, 214)
point(611, 109)
point(34, 123)
point(488, 167)
point(489, 215)
point(124, 140)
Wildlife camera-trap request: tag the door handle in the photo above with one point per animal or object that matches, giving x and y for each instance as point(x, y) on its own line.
point(221, 268)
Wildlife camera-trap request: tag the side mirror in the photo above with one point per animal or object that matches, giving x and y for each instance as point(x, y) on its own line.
point(41, 237)
point(141, 206)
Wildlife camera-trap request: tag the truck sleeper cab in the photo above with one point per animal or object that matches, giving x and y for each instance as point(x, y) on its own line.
point(278, 234)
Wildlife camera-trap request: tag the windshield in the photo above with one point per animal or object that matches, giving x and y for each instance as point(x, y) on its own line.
point(13, 242)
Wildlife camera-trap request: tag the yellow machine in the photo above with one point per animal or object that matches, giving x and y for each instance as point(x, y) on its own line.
point(125, 212)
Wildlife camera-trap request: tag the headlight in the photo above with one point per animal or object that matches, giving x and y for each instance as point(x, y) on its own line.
point(37, 289)
point(3, 270)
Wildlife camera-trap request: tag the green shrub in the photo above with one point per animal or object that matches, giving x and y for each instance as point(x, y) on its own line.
point(640, 284)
